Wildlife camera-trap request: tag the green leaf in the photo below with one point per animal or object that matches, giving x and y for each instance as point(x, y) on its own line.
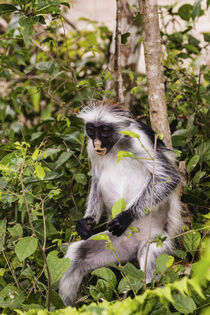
point(179, 138)
point(16, 230)
point(45, 66)
point(130, 134)
point(62, 159)
point(39, 229)
point(82, 83)
point(3, 183)
point(35, 96)
point(7, 8)
point(26, 247)
point(106, 274)
point(192, 163)
point(10, 296)
point(129, 283)
point(183, 304)
point(105, 288)
point(39, 171)
point(118, 207)
point(133, 271)
point(27, 27)
point(196, 8)
point(123, 154)
point(191, 241)
point(57, 266)
point(35, 155)
point(80, 178)
point(198, 176)
point(95, 293)
point(163, 262)
point(180, 254)
point(185, 12)
point(101, 237)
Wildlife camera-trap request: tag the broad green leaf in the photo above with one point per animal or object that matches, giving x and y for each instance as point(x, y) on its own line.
point(35, 96)
point(27, 27)
point(95, 293)
point(123, 154)
point(106, 274)
point(3, 183)
point(57, 266)
point(192, 163)
point(183, 303)
point(39, 171)
point(191, 241)
point(82, 83)
point(198, 176)
point(206, 37)
point(39, 229)
point(129, 283)
point(180, 254)
point(179, 137)
point(35, 155)
point(185, 12)
point(163, 262)
point(62, 159)
point(118, 207)
point(13, 160)
point(7, 8)
point(130, 134)
point(105, 288)
point(80, 178)
point(45, 66)
point(16, 230)
point(133, 271)
point(26, 247)
point(10, 296)
point(101, 237)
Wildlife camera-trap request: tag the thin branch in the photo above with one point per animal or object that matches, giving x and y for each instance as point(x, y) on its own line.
point(117, 61)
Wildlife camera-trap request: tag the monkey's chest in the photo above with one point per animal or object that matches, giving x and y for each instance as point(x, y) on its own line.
point(123, 180)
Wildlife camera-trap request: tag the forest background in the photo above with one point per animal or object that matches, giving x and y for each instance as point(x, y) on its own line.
point(49, 69)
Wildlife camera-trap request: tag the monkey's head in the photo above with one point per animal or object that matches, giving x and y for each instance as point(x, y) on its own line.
point(103, 122)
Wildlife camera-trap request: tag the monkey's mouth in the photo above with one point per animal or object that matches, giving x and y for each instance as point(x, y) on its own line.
point(100, 152)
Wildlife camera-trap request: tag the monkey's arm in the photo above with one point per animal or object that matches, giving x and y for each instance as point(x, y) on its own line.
point(93, 211)
point(163, 186)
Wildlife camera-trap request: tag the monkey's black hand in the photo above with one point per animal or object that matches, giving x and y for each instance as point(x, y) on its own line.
point(120, 223)
point(84, 226)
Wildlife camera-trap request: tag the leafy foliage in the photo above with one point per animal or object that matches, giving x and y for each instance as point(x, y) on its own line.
point(48, 70)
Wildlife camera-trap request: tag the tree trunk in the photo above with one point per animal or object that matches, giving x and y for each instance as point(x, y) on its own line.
point(154, 69)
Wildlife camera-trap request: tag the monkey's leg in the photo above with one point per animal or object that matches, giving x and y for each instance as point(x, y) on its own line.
point(88, 255)
point(153, 253)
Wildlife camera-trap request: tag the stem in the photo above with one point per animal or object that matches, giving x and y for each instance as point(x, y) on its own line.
point(11, 269)
point(117, 61)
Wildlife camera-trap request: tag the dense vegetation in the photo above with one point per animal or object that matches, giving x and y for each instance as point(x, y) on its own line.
point(47, 73)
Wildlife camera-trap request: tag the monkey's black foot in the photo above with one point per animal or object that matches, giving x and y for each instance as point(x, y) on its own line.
point(84, 226)
point(120, 223)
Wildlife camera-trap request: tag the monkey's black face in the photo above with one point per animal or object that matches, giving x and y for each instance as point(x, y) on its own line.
point(104, 136)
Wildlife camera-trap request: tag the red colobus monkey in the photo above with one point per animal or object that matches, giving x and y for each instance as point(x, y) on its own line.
point(131, 179)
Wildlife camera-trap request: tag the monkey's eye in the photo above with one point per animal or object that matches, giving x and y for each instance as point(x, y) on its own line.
point(90, 131)
point(106, 131)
